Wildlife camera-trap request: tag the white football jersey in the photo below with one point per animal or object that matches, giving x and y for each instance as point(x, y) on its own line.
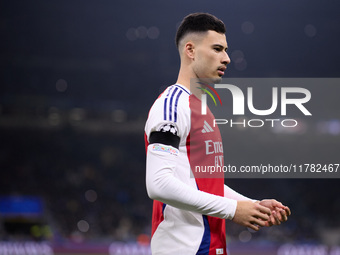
point(190, 209)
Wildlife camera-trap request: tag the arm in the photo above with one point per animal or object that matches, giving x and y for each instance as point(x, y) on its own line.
point(163, 186)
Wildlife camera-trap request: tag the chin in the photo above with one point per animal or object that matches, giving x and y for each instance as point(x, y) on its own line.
point(216, 80)
point(211, 80)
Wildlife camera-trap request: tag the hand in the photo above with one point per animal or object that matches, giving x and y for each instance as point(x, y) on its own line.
point(279, 212)
point(252, 215)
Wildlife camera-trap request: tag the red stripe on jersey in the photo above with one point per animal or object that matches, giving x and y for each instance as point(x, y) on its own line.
point(205, 148)
point(157, 215)
point(146, 143)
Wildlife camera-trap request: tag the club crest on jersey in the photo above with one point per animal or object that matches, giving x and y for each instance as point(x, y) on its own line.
point(164, 148)
point(169, 127)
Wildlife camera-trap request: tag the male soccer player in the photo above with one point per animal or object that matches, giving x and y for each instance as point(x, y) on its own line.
point(189, 211)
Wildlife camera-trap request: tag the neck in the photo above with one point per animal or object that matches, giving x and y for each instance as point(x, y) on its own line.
point(184, 77)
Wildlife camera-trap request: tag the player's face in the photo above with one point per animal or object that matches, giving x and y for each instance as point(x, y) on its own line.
point(211, 58)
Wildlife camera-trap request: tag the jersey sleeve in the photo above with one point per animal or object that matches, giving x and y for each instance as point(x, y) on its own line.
point(170, 114)
point(163, 186)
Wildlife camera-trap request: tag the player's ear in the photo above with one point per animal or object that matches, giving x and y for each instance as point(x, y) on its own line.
point(189, 50)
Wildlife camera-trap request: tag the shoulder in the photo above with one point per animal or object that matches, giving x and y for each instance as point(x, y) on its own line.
point(170, 108)
point(175, 101)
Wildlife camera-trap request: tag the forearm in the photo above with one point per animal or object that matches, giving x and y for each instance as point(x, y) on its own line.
point(163, 186)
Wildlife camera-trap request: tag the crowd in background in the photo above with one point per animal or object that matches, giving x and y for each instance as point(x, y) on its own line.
point(93, 188)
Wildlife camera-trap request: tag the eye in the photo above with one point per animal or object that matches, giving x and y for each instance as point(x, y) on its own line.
point(217, 49)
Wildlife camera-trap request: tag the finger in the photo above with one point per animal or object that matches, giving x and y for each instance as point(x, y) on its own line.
point(286, 208)
point(259, 222)
point(288, 212)
point(283, 215)
point(279, 205)
point(261, 216)
point(277, 221)
point(262, 212)
point(276, 203)
point(279, 214)
point(270, 223)
point(264, 209)
point(254, 227)
point(272, 220)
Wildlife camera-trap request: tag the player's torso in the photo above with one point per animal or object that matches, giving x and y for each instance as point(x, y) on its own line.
point(175, 230)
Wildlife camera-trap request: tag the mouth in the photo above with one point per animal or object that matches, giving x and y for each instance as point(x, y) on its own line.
point(221, 70)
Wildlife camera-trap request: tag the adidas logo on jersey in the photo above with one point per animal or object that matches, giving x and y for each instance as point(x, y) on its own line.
point(207, 128)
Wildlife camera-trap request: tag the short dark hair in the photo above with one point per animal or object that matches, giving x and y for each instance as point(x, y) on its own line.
point(199, 22)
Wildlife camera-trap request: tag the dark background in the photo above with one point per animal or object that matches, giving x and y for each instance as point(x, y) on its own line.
point(77, 79)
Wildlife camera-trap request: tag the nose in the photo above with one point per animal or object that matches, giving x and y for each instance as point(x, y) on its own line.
point(226, 60)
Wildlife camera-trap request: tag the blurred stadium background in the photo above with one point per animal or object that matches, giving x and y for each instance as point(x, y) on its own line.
point(77, 81)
